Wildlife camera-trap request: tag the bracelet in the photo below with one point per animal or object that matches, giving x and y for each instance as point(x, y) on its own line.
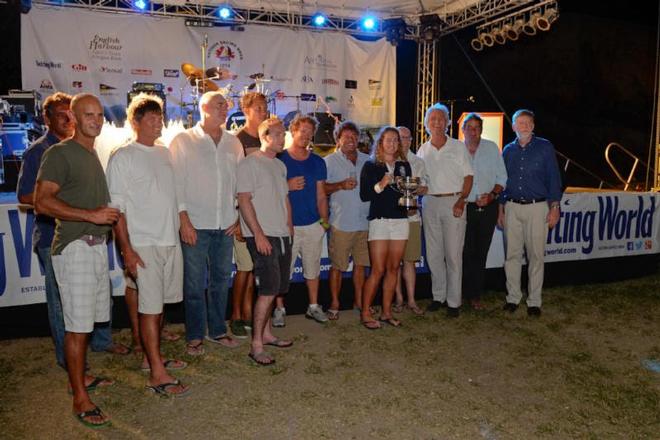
point(554, 205)
point(325, 224)
point(377, 188)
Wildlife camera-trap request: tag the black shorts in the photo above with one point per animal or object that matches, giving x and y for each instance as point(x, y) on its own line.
point(272, 272)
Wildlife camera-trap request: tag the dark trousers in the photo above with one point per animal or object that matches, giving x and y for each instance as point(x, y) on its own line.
point(478, 235)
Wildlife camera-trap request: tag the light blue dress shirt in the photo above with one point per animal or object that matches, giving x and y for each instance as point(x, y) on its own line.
point(489, 169)
point(348, 212)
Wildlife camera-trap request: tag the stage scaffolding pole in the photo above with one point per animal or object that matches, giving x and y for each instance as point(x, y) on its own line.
point(426, 85)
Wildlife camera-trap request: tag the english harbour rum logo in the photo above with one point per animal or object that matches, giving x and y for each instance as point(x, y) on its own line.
point(105, 47)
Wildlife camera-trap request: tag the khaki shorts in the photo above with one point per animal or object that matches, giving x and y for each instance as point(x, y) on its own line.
point(242, 257)
point(388, 229)
point(413, 251)
point(308, 243)
point(344, 244)
point(161, 280)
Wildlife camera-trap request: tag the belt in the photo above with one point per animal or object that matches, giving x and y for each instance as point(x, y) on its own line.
point(93, 240)
point(446, 194)
point(527, 202)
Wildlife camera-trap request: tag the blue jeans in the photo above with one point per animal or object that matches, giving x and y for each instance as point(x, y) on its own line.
point(213, 251)
point(101, 338)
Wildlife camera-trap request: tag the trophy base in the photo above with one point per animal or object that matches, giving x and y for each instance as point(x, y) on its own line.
point(408, 203)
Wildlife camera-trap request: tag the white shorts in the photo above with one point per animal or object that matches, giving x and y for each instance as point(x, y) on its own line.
point(82, 276)
point(308, 243)
point(389, 229)
point(161, 280)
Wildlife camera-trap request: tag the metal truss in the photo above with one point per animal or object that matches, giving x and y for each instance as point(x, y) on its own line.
point(426, 86)
point(481, 11)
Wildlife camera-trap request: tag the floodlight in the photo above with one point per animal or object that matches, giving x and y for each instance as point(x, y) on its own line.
point(319, 19)
point(486, 39)
point(225, 12)
point(498, 35)
point(140, 4)
point(476, 44)
point(369, 23)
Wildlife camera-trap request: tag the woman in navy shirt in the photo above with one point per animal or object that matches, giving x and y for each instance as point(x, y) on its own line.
point(388, 223)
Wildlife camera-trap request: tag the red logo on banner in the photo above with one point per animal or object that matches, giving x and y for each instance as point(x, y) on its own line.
point(145, 72)
point(79, 67)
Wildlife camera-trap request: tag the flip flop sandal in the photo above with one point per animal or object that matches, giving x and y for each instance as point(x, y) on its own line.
point(416, 310)
point(95, 412)
point(170, 364)
point(279, 343)
point(371, 325)
point(224, 341)
point(196, 349)
point(332, 315)
point(390, 321)
point(262, 359)
point(118, 349)
point(162, 389)
point(398, 308)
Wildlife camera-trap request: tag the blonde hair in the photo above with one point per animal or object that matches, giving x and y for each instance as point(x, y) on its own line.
point(266, 125)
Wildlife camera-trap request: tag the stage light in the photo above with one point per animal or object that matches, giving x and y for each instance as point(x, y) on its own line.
point(430, 27)
point(498, 35)
point(486, 39)
point(477, 45)
point(529, 28)
point(140, 4)
point(509, 32)
point(543, 22)
point(319, 19)
point(369, 23)
point(225, 12)
point(395, 30)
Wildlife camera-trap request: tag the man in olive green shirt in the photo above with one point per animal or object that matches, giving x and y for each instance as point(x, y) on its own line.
point(71, 188)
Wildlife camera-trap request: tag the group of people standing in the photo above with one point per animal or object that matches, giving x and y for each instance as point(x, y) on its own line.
point(180, 214)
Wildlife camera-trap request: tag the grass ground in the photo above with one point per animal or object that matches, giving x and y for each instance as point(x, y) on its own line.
point(575, 373)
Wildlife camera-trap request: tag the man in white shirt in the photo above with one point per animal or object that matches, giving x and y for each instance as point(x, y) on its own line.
point(205, 159)
point(141, 184)
point(449, 175)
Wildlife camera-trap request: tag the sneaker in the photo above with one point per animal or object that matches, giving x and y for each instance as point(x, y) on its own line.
point(317, 314)
point(238, 329)
point(278, 317)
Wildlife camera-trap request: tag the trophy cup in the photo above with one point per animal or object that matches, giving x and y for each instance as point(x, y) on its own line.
point(407, 186)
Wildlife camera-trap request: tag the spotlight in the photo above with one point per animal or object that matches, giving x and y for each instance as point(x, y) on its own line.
point(369, 23)
point(509, 32)
point(486, 39)
point(477, 45)
point(319, 19)
point(430, 27)
point(140, 4)
point(514, 33)
point(543, 22)
point(498, 36)
point(529, 28)
point(225, 12)
point(395, 30)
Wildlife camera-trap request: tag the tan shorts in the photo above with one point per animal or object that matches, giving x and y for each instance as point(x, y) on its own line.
point(242, 257)
point(161, 280)
point(344, 244)
point(388, 229)
point(130, 282)
point(308, 243)
point(413, 251)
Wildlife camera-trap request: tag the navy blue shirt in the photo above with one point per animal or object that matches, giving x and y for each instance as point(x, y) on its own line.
point(532, 171)
point(44, 226)
point(386, 203)
point(304, 207)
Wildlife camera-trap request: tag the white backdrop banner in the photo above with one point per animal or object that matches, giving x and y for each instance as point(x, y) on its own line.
point(601, 225)
point(102, 53)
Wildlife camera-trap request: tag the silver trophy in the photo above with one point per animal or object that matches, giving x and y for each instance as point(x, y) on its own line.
point(407, 186)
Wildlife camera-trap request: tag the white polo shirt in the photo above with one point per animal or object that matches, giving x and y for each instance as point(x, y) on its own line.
point(446, 167)
point(206, 177)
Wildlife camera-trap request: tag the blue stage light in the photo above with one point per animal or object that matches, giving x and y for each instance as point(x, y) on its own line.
point(369, 23)
point(319, 19)
point(225, 12)
point(140, 4)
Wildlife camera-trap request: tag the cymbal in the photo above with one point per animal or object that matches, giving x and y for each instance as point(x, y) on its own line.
point(206, 86)
point(190, 70)
point(219, 73)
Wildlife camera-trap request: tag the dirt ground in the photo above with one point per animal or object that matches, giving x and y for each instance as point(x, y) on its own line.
point(574, 373)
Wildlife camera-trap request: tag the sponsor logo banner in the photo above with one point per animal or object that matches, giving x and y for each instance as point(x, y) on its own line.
point(307, 97)
point(105, 47)
point(330, 82)
point(144, 72)
point(171, 73)
point(46, 84)
point(48, 64)
point(106, 69)
point(350, 84)
point(79, 68)
point(375, 84)
point(77, 85)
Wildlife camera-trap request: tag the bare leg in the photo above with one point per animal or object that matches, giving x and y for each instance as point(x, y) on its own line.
point(398, 290)
point(410, 277)
point(75, 349)
point(131, 298)
point(238, 293)
point(261, 322)
point(358, 284)
point(150, 330)
point(334, 279)
point(313, 290)
point(279, 302)
point(394, 253)
point(248, 297)
point(378, 255)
